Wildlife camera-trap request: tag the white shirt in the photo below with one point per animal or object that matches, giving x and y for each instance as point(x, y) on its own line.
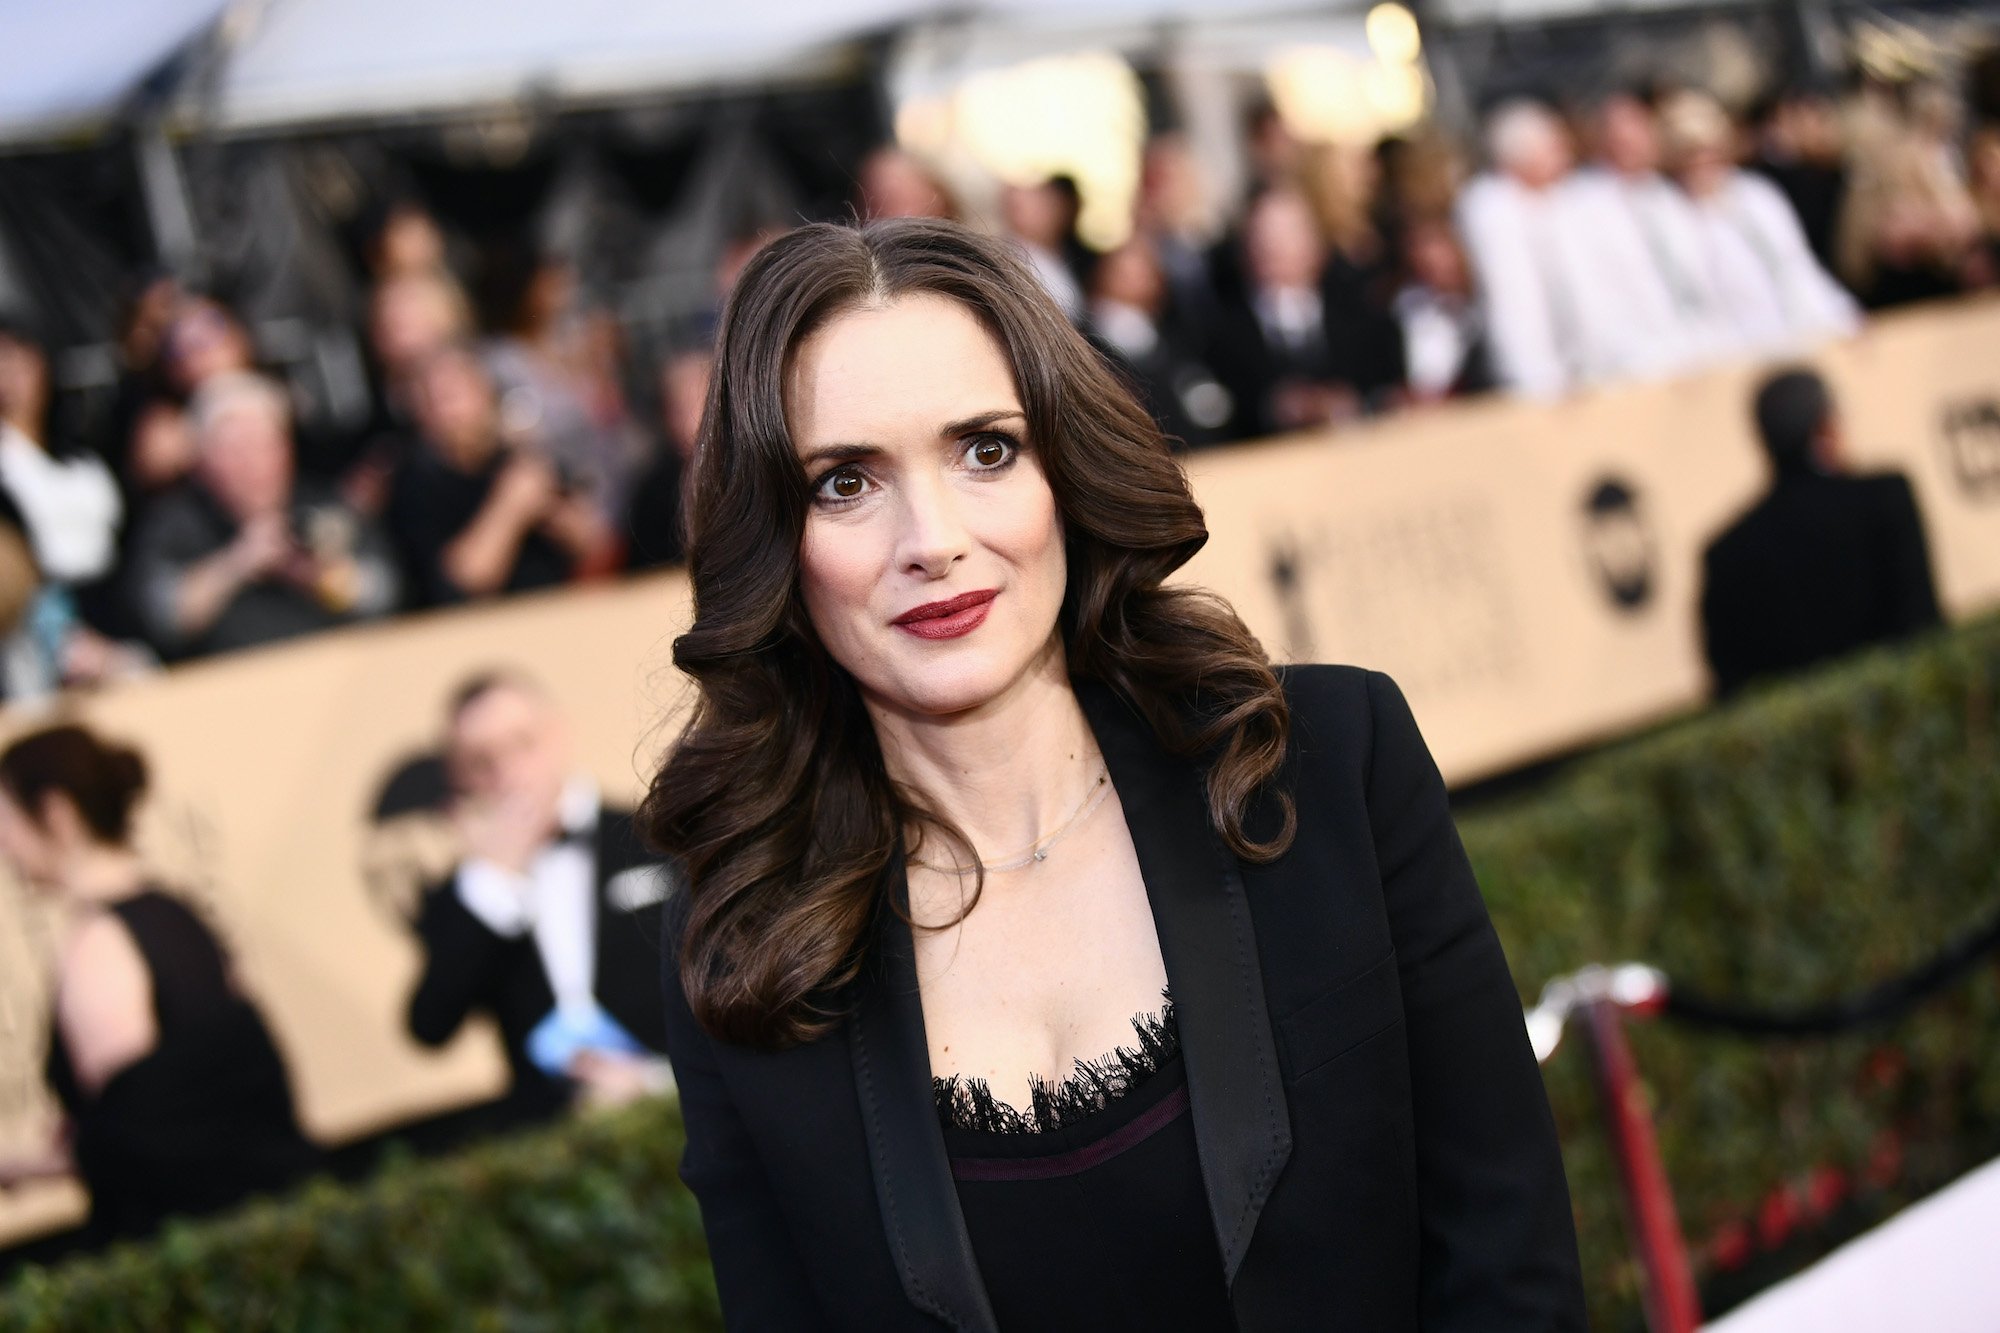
point(1439, 332)
point(70, 505)
point(555, 900)
point(1527, 258)
point(1771, 284)
point(1657, 309)
point(1126, 327)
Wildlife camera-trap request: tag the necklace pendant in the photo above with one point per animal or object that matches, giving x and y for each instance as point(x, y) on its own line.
point(1042, 855)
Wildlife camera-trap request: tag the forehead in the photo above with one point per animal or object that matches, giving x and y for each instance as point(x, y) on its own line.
point(879, 372)
point(502, 711)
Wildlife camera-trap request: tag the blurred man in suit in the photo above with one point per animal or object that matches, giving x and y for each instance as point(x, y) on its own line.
point(548, 923)
point(1824, 563)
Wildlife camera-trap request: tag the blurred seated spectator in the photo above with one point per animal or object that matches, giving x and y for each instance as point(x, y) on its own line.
point(406, 241)
point(1575, 289)
point(656, 534)
point(246, 552)
point(410, 316)
point(1130, 317)
point(1287, 361)
point(1773, 289)
point(1802, 148)
point(1343, 183)
point(1657, 311)
point(547, 354)
point(547, 925)
point(1443, 329)
point(892, 183)
point(147, 307)
point(473, 516)
point(175, 1098)
point(1824, 563)
point(1531, 257)
point(203, 340)
point(68, 507)
point(1983, 171)
point(1909, 226)
point(1042, 220)
point(69, 502)
point(1176, 212)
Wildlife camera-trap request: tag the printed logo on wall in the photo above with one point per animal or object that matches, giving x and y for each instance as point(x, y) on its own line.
point(1971, 439)
point(1618, 544)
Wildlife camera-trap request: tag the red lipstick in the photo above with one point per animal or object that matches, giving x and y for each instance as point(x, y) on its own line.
point(950, 618)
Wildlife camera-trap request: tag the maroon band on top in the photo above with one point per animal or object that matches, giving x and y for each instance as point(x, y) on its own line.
point(1129, 1135)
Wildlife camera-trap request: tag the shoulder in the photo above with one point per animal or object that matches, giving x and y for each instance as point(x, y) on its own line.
point(103, 971)
point(1344, 714)
point(99, 940)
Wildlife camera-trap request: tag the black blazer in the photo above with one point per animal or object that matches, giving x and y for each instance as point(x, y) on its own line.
point(468, 968)
point(1374, 1138)
point(1822, 565)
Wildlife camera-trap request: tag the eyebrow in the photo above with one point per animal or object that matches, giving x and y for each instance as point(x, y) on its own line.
point(847, 453)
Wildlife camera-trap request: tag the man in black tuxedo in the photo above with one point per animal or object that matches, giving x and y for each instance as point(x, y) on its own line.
point(1824, 563)
point(549, 923)
point(1291, 355)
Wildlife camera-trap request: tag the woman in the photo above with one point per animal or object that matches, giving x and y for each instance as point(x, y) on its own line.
point(966, 789)
point(175, 1097)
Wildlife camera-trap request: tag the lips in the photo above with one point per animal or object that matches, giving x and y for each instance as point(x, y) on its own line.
point(950, 618)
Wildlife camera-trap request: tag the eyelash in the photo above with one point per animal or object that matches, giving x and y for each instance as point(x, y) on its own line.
point(822, 497)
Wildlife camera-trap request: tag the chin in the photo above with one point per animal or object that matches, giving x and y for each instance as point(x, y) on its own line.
point(943, 688)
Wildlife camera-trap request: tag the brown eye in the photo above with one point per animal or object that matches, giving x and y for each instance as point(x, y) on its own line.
point(990, 452)
point(845, 483)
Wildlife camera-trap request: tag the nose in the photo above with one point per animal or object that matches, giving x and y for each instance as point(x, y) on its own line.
point(934, 536)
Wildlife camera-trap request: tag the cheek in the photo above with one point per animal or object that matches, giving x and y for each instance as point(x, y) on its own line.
point(1028, 533)
point(839, 568)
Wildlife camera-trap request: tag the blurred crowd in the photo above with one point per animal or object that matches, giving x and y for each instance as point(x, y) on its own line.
point(513, 441)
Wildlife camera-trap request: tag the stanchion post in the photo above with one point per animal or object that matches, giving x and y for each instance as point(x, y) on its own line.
point(1672, 1305)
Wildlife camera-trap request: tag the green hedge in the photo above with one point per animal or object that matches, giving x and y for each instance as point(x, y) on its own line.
point(1791, 847)
point(1796, 846)
point(583, 1227)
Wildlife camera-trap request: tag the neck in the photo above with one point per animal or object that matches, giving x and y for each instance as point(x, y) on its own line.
point(100, 874)
point(26, 420)
point(1006, 773)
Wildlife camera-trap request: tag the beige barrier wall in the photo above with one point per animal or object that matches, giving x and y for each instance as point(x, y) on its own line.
point(1529, 573)
point(266, 768)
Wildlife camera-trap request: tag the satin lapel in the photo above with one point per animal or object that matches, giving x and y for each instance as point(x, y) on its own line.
point(1241, 1124)
point(892, 1077)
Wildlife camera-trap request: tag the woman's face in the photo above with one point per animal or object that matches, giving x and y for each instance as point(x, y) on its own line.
point(932, 564)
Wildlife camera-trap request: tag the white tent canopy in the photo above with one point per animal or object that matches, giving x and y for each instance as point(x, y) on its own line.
point(66, 67)
point(69, 67)
point(306, 61)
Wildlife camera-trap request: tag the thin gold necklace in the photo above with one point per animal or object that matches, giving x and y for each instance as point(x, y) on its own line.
point(1039, 850)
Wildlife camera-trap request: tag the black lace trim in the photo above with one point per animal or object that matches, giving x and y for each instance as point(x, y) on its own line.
point(968, 1103)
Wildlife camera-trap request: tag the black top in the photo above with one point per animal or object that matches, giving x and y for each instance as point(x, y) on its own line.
point(1086, 1211)
point(433, 502)
point(1374, 1142)
point(1821, 566)
point(202, 1120)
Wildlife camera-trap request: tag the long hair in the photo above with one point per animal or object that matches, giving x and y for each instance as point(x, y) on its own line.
point(776, 798)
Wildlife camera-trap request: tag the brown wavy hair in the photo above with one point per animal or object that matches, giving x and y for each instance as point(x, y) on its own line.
point(776, 798)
